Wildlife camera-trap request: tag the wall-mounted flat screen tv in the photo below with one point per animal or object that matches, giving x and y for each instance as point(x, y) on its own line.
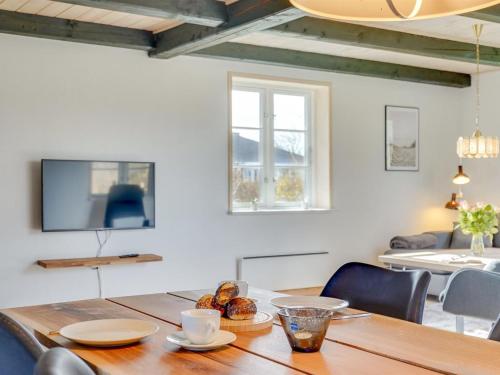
point(97, 195)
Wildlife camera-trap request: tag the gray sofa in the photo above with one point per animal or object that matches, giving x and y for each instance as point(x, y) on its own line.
point(454, 239)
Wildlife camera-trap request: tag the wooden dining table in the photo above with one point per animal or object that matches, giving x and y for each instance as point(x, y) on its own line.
point(370, 345)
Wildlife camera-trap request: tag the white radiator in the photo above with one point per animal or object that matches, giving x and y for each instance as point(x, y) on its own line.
point(285, 271)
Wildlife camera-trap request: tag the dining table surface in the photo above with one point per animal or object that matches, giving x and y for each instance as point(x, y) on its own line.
point(373, 344)
point(441, 260)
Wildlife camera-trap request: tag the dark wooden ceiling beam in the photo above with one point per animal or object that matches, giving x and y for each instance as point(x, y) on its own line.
point(243, 20)
point(201, 12)
point(370, 37)
point(73, 31)
point(336, 64)
point(491, 14)
point(244, 16)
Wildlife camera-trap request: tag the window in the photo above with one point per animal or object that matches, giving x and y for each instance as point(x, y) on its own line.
point(274, 126)
point(106, 174)
point(138, 174)
point(103, 176)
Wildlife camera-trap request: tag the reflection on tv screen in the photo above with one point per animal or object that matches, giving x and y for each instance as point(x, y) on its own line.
point(93, 195)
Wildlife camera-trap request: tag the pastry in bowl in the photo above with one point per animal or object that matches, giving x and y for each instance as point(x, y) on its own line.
point(225, 292)
point(241, 308)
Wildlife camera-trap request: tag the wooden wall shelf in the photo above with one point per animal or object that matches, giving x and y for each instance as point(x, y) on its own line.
point(94, 262)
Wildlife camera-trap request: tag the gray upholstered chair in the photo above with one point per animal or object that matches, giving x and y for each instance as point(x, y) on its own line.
point(474, 293)
point(495, 331)
point(60, 361)
point(399, 294)
point(19, 349)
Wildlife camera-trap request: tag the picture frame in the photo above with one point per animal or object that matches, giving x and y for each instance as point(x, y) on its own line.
point(402, 140)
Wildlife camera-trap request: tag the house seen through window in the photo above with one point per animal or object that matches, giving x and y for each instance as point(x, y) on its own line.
point(274, 146)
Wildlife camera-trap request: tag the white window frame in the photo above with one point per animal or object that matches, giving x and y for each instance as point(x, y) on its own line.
point(261, 164)
point(266, 148)
point(92, 194)
point(122, 169)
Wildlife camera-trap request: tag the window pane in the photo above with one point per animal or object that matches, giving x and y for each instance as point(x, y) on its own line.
point(246, 185)
point(246, 109)
point(246, 146)
point(289, 184)
point(289, 148)
point(289, 112)
point(138, 174)
point(104, 175)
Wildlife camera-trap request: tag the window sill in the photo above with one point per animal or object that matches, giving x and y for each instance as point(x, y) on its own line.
point(275, 211)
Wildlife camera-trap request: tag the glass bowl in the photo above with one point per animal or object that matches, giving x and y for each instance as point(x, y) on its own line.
point(305, 327)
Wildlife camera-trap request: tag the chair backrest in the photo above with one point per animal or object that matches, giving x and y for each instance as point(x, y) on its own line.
point(124, 201)
point(474, 293)
point(399, 294)
point(19, 349)
point(60, 361)
point(495, 331)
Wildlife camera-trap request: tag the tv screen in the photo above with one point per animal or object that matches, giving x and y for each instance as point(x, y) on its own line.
point(97, 195)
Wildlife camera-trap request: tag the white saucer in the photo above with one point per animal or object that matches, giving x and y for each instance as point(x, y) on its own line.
point(223, 338)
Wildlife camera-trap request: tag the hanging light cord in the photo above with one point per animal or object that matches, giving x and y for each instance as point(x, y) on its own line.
point(413, 13)
point(478, 29)
point(478, 146)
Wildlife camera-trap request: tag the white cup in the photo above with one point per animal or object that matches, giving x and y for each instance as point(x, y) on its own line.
point(242, 286)
point(200, 325)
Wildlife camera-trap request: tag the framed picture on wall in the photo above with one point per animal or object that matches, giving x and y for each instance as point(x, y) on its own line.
point(401, 138)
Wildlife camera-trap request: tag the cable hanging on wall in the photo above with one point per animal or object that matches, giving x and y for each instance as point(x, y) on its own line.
point(102, 244)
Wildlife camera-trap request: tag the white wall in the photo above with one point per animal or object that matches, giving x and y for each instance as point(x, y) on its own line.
point(484, 173)
point(63, 100)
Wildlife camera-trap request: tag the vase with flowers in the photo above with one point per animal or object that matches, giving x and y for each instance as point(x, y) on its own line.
point(479, 221)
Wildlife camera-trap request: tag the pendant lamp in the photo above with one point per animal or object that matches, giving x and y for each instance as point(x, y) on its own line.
point(389, 10)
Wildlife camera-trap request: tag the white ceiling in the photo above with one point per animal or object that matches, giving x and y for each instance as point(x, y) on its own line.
point(82, 13)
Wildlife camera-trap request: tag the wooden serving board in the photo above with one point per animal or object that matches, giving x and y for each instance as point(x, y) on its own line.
point(261, 320)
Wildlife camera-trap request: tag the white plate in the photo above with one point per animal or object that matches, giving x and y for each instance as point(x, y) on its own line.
point(109, 332)
point(310, 301)
point(223, 338)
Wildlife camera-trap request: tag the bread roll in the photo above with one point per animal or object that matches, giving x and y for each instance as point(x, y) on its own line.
point(208, 302)
point(225, 292)
point(205, 302)
point(241, 308)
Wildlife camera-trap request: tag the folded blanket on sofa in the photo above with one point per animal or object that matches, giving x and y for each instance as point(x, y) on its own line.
point(419, 241)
